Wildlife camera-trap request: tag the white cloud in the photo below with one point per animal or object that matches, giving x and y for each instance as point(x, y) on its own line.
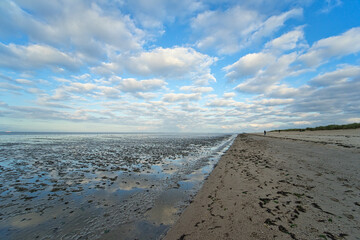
point(341, 99)
point(261, 126)
point(196, 89)
point(274, 102)
point(173, 63)
point(265, 70)
point(226, 102)
point(19, 81)
point(132, 85)
point(134, 88)
point(302, 122)
point(288, 41)
point(338, 76)
point(270, 60)
point(169, 62)
point(9, 86)
point(146, 95)
point(176, 97)
point(249, 65)
point(24, 81)
point(274, 23)
point(231, 30)
point(34, 57)
point(274, 73)
point(153, 14)
point(77, 91)
point(337, 46)
point(353, 120)
point(82, 25)
point(284, 91)
point(221, 102)
point(223, 30)
point(81, 87)
point(229, 95)
point(203, 79)
point(330, 5)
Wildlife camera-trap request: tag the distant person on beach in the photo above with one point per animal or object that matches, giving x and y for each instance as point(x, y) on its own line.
point(264, 133)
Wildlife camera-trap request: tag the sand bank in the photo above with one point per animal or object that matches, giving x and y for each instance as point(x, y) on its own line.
point(278, 188)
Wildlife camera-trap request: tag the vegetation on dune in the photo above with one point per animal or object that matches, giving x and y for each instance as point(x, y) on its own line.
point(328, 127)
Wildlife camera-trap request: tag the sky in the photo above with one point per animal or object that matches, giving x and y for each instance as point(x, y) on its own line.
point(178, 66)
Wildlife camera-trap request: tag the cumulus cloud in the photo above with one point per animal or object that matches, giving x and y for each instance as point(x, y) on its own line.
point(288, 41)
point(229, 95)
point(264, 63)
point(249, 65)
point(223, 29)
point(114, 88)
point(274, 102)
point(173, 63)
point(226, 102)
point(34, 57)
point(338, 76)
point(333, 93)
point(197, 89)
point(132, 85)
point(231, 30)
point(339, 99)
point(337, 46)
point(77, 91)
point(168, 62)
point(153, 14)
point(285, 91)
point(274, 23)
point(274, 73)
point(9, 86)
point(125, 75)
point(83, 25)
point(19, 81)
point(176, 97)
point(221, 102)
point(78, 87)
point(264, 71)
point(24, 81)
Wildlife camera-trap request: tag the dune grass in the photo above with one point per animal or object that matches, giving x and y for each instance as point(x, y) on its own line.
point(328, 127)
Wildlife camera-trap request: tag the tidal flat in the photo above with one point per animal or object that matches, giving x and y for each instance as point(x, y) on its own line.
point(91, 186)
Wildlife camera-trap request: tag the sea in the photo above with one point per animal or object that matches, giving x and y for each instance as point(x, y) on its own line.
point(101, 185)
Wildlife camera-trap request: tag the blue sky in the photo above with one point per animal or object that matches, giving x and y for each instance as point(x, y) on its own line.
point(178, 66)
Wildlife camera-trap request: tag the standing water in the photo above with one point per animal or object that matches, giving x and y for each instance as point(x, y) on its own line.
point(107, 186)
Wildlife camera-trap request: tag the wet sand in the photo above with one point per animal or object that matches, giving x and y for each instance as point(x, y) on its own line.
point(279, 187)
point(100, 186)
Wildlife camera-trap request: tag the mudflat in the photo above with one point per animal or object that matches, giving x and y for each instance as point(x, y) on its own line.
point(279, 187)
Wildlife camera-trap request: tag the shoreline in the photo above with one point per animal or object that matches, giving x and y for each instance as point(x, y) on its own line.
point(276, 188)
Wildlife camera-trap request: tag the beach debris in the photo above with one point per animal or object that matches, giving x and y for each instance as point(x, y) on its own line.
point(182, 237)
point(284, 230)
point(300, 208)
point(315, 205)
point(283, 193)
point(270, 222)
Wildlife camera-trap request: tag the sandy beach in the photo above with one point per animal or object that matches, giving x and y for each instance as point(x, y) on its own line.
point(288, 185)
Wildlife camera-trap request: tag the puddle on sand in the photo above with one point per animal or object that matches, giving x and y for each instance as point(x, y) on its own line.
point(100, 186)
point(155, 221)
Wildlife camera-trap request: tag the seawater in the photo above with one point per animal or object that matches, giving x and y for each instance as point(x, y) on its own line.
point(100, 186)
